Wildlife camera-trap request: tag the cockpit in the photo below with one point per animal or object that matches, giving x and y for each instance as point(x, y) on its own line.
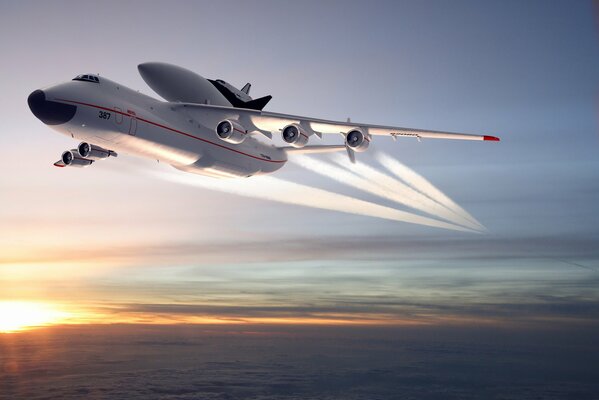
point(87, 78)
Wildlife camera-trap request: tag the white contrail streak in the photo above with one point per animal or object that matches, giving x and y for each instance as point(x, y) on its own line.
point(374, 183)
point(406, 193)
point(269, 188)
point(424, 186)
point(340, 175)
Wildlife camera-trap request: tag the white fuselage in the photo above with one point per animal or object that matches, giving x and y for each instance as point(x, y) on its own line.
point(115, 117)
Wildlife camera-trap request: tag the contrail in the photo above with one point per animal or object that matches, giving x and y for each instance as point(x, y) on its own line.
point(341, 175)
point(269, 188)
point(405, 191)
point(373, 183)
point(424, 186)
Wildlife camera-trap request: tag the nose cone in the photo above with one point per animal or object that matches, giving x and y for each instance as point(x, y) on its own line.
point(50, 112)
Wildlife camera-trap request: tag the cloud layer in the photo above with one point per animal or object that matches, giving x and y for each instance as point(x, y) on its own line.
point(274, 362)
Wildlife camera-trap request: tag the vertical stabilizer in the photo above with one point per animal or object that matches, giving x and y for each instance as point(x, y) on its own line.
point(246, 88)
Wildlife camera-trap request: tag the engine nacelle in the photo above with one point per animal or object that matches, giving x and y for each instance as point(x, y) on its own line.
point(93, 152)
point(295, 135)
point(357, 140)
point(231, 131)
point(71, 158)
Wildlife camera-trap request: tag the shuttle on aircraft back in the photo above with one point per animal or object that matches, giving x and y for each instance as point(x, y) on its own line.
point(205, 126)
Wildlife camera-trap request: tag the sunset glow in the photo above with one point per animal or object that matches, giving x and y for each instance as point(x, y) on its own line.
point(20, 315)
point(368, 258)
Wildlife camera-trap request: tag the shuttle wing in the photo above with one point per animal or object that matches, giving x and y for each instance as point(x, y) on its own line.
point(272, 122)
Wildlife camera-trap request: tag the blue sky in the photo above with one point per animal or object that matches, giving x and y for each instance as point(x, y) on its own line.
point(525, 71)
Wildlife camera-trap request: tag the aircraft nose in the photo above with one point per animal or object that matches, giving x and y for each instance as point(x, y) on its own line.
point(50, 112)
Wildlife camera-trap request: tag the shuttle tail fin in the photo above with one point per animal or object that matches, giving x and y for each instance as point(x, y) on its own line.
point(246, 88)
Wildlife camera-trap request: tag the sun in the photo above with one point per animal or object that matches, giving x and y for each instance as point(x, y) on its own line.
point(21, 315)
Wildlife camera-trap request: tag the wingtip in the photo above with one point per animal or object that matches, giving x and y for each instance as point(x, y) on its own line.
point(492, 138)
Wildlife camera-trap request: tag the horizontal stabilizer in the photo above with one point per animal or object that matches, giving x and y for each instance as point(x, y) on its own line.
point(314, 149)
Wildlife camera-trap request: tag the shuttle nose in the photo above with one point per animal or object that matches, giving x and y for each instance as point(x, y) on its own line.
point(50, 112)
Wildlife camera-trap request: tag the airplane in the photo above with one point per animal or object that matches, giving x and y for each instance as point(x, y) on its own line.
point(205, 126)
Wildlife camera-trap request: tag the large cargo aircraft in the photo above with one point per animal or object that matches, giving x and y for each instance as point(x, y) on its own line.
point(205, 126)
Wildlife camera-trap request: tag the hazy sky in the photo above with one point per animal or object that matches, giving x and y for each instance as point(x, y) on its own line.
point(110, 243)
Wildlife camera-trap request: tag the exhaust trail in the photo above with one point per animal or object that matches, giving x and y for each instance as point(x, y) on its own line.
point(373, 186)
point(423, 185)
point(274, 189)
point(409, 192)
point(340, 175)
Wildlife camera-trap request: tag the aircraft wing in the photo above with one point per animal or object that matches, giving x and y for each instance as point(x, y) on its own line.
point(269, 120)
point(265, 121)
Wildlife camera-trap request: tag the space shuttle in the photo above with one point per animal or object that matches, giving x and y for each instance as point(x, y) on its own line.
point(178, 84)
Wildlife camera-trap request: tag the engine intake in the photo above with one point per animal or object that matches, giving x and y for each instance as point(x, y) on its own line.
point(295, 135)
point(357, 140)
point(71, 158)
point(93, 152)
point(231, 131)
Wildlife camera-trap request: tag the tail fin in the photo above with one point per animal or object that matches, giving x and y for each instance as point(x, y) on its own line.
point(256, 104)
point(246, 88)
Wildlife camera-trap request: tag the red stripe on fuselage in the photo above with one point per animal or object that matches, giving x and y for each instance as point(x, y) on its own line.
point(173, 130)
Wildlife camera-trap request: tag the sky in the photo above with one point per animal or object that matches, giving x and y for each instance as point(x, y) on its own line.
point(114, 243)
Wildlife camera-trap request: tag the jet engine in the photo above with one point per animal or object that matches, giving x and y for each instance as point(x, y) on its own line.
point(357, 140)
point(93, 152)
point(230, 131)
point(71, 158)
point(295, 135)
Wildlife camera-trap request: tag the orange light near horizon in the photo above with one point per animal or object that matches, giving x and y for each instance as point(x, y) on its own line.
point(102, 317)
point(21, 315)
point(16, 316)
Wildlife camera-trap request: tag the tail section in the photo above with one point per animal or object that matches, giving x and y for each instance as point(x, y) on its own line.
point(240, 98)
point(246, 88)
point(256, 104)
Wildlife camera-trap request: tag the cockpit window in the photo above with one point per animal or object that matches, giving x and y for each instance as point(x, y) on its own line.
point(87, 78)
point(221, 81)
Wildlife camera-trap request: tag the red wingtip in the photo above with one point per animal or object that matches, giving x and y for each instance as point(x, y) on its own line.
point(491, 138)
